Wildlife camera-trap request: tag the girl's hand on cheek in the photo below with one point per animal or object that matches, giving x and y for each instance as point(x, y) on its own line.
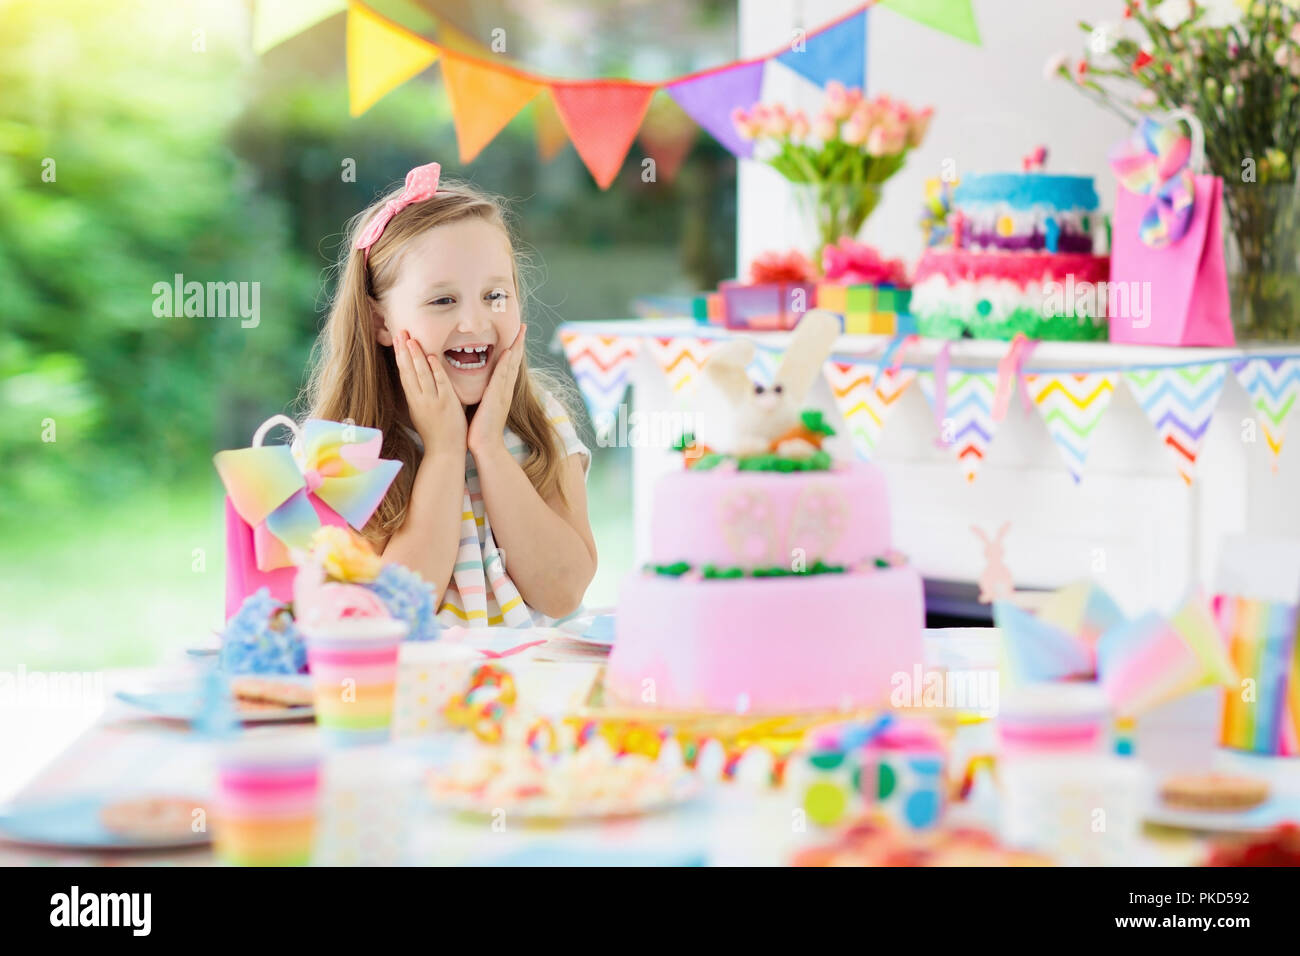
point(436, 413)
point(489, 423)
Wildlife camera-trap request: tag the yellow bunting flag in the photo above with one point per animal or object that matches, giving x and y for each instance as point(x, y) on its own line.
point(483, 100)
point(381, 56)
point(551, 137)
point(275, 21)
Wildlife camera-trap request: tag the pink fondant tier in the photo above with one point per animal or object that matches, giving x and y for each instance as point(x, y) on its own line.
point(755, 519)
point(765, 645)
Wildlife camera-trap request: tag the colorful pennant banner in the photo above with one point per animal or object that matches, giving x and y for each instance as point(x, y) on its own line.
point(1179, 400)
point(1071, 406)
point(1180, 403)
point(601, 116)
point(968, 424)
point(600, 365)
point(865, 397)
point(1272, 385)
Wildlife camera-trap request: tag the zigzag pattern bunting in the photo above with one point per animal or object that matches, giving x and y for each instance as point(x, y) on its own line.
point(600, 364)
point(968, 424)
point(1180, 403)
point(1272, 384)
point(865, 399)
point(680, 360)
point(1072, 405)
point(766, 362)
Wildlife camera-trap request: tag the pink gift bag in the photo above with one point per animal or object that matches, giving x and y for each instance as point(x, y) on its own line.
point(1174, 293)
point(277, 496)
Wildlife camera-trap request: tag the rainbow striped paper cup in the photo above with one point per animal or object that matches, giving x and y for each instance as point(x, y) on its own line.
point(267, 793)
point(353, 664)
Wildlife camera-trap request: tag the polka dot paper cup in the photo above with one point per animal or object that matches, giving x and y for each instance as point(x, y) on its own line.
point(265, 806)
point(429, 674)
point(353, 664)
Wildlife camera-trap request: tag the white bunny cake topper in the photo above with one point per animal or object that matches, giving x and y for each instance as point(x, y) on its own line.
point(740, 417)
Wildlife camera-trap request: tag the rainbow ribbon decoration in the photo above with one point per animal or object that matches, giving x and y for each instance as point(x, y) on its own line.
point(1262, 644)
point(272, 487)
point(1155, 162)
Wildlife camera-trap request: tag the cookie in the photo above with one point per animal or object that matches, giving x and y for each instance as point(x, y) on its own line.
point(268, 690)
point(1214, 792)
point(151, 818)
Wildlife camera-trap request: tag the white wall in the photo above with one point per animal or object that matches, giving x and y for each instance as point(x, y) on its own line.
point(992, 105)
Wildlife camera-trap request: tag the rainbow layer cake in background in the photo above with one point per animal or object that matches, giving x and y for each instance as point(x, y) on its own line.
point(1017, 256)
point(772, 585)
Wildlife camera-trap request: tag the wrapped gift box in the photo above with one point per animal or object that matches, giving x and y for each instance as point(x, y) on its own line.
point(707, 307)
point(776, 306)
point(868, 309)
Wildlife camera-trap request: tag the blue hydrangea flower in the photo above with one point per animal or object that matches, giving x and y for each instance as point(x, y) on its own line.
point(408, 598)
point(262, 639)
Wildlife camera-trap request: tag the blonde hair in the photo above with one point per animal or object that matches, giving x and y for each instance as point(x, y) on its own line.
point(354, 377)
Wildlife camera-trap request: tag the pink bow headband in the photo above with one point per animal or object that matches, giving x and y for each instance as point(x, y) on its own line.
point(421, 184)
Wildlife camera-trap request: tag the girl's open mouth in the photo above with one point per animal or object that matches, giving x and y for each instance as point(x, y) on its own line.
point(469, 358)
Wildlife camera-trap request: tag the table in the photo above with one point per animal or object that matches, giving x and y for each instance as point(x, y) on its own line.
point(731, 824)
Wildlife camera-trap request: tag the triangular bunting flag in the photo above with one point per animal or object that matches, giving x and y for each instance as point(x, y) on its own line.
point(600, 365)
point(667, 135)
point(551, 136)
point(1180, 403)
point(275, 21)
point(1272, 384)
point(483, 101)
point(602, 118)
point(680, 359)
point(954, 17)
point(837, 53)
point(381, 56)
point(865, 399)
point(709, 99)
point(1071, 406)
point(968, 421)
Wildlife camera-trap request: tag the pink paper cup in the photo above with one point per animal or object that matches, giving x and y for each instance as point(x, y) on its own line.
point(268, 789)
point(353, 666)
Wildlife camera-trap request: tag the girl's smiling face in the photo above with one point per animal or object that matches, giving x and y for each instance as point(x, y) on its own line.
point(455, 295)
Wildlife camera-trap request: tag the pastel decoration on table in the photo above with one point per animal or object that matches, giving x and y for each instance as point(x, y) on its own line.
point(266, 802)
point(368, 799)
point(1053, 718)
point(869, 292)
point(262, 638)
point(995, 580)
point(600, 365)
point(935, 225)
point(1259, 713)
point(1167, 238)
point(1180, 403)
point(1273, 385)
point(1153, 659)
point(894, 766)
point(965, 418)
point(277, 496)
point(865, 397)
point(1036, 650)
point(353, 664)
point(780, 290)
point(429, 675)
point(1083, 609)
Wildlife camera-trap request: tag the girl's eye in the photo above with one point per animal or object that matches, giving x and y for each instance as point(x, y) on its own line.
point(443, 300)
point(498, 294)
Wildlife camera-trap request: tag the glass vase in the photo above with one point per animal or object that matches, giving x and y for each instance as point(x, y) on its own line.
point(1264, 260)
point(831, 211)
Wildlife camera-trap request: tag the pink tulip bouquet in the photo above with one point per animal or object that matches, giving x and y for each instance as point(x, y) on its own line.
point(841, 157)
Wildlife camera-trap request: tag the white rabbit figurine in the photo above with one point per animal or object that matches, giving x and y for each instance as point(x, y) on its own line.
point(737, 416)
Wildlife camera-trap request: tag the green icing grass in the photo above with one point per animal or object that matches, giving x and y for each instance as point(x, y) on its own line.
point(1035, 325)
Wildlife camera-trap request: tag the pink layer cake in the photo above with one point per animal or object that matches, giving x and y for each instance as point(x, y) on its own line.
point(767, 592)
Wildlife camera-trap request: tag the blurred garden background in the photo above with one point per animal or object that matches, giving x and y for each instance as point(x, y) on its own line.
point(141, 139)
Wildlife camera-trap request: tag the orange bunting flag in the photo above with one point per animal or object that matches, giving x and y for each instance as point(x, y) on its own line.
point(667, 135)
point(483, 101)
point(602, 118)
point(551, 136)
point(381, 56)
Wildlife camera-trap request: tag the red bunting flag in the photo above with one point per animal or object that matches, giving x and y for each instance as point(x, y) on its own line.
point(602, 118)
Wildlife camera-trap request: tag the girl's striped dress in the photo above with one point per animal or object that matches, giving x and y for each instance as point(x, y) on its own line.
point(481, 594)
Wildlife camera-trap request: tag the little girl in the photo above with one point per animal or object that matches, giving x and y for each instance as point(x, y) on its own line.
point(425, 341)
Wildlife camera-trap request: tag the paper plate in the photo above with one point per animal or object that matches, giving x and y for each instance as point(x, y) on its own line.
point(1266, 816)
point(72, 823)
point(547, 810)
point(595, 630)
point(186, 704)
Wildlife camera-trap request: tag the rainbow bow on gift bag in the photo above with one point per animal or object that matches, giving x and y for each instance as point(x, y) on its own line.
point(1156, 162)
point(272, 487)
